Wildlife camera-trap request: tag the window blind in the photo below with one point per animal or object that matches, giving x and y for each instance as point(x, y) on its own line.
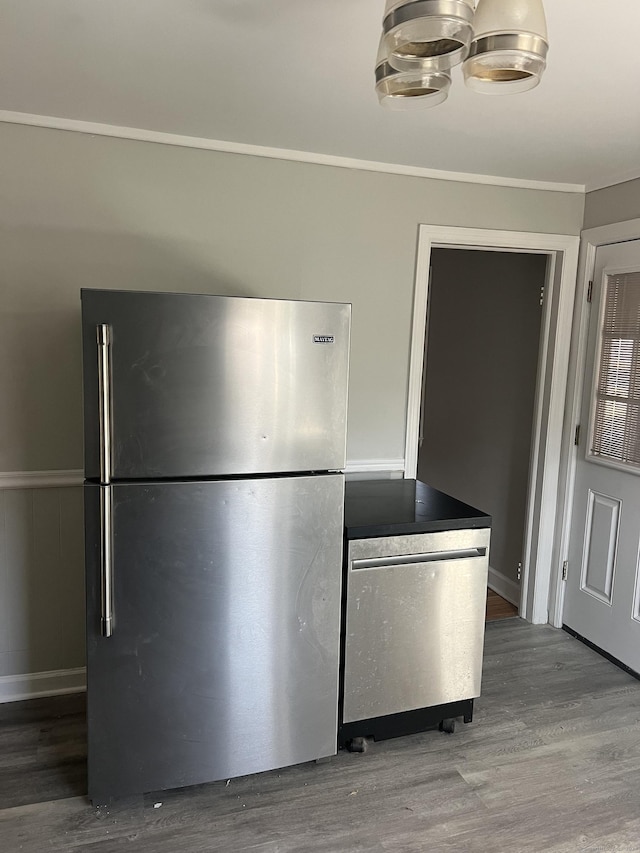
point(616, 426)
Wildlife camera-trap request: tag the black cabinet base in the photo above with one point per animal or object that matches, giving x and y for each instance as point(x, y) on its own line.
point(406, 723)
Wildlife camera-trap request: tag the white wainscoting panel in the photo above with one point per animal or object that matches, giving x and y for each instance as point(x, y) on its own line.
point(41, 587)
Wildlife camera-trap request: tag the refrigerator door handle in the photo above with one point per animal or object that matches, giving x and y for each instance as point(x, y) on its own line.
point(106, 561)
point(103, 332)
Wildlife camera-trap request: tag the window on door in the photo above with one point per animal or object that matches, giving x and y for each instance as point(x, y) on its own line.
point(615, 427)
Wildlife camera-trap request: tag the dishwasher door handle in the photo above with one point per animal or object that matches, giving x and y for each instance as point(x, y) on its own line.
point(412, 559)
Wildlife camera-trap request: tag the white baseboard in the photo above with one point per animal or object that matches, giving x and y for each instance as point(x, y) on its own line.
point(32, 685)
point(504, 586)
point(392, 467)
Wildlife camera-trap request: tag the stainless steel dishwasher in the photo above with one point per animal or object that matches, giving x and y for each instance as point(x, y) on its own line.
point(414, 619)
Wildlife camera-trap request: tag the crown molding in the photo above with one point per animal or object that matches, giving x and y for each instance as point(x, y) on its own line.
point(622, 178)
point(162, 138)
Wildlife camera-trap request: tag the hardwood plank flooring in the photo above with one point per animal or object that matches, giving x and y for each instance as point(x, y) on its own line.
point(498, 607)
point(551, 763)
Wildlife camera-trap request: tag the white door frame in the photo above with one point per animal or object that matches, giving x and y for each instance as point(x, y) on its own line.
point(550, 438)
point(592, 238)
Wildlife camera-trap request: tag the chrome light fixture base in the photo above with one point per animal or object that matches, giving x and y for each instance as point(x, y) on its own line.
point(431, 35)
point(505, 63)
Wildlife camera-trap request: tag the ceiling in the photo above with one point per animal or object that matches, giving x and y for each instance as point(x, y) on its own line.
point(298, 75)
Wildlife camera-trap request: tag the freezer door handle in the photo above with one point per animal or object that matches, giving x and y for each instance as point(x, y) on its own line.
point(412, 559)
point(106, 561)
point(103, 333)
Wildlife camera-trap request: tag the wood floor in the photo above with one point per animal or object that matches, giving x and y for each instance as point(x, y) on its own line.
point(550, 763)
point(498, 607)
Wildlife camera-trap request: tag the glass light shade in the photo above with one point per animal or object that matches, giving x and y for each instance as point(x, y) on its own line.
point(509, 16)
point(409, 90)
point(430, 35)
point(508, 53)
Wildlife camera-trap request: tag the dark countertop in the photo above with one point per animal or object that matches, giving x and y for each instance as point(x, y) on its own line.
point(399, 507)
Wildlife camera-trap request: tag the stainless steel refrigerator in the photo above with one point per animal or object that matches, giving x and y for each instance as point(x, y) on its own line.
point(214, 442)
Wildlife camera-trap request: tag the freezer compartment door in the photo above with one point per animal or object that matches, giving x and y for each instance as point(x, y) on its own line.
point(224, 653)
point(414, 621)
point(200, 386)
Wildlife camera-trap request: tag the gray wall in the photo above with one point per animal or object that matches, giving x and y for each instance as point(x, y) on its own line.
point(82, 211)
point(481, 365)
point(98, 212)
point(612, 204)
point(41, 580)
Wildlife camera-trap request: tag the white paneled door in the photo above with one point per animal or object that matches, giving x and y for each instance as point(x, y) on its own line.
point(602, 601)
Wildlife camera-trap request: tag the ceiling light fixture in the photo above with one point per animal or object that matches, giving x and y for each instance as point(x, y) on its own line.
point(503, 46)
point(509, 48)
point(409, 90)
point(427, 34)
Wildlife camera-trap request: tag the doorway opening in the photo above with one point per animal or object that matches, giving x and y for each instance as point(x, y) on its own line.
point(481, 360)
point(551, 439)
